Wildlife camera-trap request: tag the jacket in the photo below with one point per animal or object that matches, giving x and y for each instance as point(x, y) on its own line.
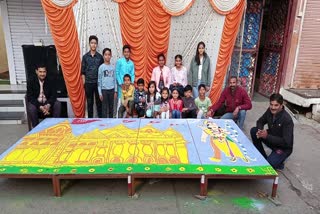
point(239, 98)
point(194, 69)
point(166, 72)
point(280, 129)
point(33, 91)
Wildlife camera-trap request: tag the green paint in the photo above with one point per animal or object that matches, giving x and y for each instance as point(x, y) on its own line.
point(139, 168)
point(244, 202)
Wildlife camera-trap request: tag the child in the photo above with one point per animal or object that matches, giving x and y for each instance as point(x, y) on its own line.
point(140, 98)
point(164, 105)
point(176, 104)
point(161, 74)
point(152, 97)
point(189, 106)
point(202, 102)
point(179, 75)
point(107, 84)
point(127, 103)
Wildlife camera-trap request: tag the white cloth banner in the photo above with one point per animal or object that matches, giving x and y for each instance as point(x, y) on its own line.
point(175, 6)
point(200, 23)
point(62, 3)
point(100, 18)
point(225, 5)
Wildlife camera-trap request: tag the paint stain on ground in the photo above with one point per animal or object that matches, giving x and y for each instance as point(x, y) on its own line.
point(248, 203)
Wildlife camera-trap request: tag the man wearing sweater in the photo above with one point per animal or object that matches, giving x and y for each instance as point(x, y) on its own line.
point(236, 100)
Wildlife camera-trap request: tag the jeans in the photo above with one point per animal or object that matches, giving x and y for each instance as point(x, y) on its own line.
point(190, 114)
point(107, 103)
point(34, 112)
point(140, 111)
point(122, 109)
point(277, 156)
point(176, 114)
point(92, 94)
point(239, 120)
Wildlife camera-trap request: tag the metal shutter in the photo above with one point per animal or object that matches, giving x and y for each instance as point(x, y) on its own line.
point(307, 74)
point(27, 25)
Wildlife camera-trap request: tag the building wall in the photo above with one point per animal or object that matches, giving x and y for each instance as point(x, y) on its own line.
point(27, 27)
point(307, 72)
point(3, 53)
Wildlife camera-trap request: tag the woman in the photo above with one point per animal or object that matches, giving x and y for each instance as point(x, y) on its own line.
point(161, 74)
point(200, 70)
point(179, 75)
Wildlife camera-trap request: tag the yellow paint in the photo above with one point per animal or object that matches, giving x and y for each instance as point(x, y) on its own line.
point(220, 143)
point(57, 145)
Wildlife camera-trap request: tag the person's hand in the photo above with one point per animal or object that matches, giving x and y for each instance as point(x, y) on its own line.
point(101, 97)
point(210, 113)
point(235, 113)
point(127, 110)
point(184, 109)
point(207, 88)
point(115, 95)
point(143, 100)
point(262, 134)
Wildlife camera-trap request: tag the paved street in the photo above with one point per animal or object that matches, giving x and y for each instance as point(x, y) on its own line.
point(299, 185)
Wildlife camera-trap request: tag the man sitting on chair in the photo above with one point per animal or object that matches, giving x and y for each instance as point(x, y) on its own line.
point(41, 96)
point(236, 100)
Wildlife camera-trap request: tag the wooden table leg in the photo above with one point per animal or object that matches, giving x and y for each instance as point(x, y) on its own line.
point(56, 186)
point(203, 186)
point(274, 187)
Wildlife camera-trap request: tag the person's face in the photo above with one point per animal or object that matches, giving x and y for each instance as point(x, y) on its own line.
point(127, 81)
point(107, 56)
point(141, 87)
point(175, 94)
point(201, 49)
point(164, 94)
point(161, 61)
point(202, 91)
point(275, 107)
point(41, 73)
point(152, 89)
point(187, 94)
point(178, 62)
point(233, 83)
point(93, 45)
point(126, 53)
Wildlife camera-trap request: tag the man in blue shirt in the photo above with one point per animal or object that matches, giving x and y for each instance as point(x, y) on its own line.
point(90, 65)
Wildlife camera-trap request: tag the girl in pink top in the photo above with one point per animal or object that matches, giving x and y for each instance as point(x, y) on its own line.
point(176, 104)
point(161, 74)
point(178, 75)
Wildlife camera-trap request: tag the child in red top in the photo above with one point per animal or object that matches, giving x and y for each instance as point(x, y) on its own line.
point(176, 104)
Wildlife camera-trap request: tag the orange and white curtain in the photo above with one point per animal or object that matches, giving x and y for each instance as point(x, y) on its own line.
point(152, 27)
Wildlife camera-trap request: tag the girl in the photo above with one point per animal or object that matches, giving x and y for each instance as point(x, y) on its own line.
point(164, 105)
point(179, 75)
point(161, 74)
point(176, 104)
point(152, 97)
point(200, 72)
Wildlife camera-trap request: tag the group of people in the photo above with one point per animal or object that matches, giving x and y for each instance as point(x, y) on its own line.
point(171, 93)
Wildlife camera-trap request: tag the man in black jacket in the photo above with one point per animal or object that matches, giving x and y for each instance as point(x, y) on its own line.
point(279, 135)
point(41, 96)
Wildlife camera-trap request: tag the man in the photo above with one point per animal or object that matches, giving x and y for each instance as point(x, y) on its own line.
point(41, 96)
point(236, 101)
point(90, 65)
point(279, 135)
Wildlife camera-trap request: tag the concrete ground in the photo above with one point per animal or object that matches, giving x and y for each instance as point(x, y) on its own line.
point(299, 185)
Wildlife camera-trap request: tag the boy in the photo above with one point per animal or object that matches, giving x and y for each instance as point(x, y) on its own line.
point(202, 102)
point(127, 103)
point(124, 66)
point(140, 96)
point(189, 106)
point(107, 84)
point(90, 65)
